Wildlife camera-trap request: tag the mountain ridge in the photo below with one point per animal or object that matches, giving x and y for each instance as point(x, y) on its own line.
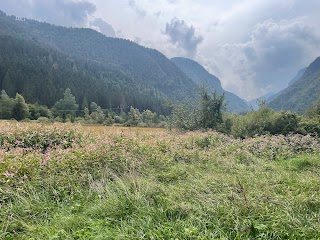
point(203, 78)
point(302, 93)
point(127, 72)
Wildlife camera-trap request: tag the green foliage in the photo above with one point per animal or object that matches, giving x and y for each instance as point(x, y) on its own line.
point(207, 115)
point(20, 109)
point(283, 122)
point(134, 117)
point(149, 117)
point(86, 114)
point(6, 105)
point(210, 110)
point(309, 125)
point(97, 115)
point(39, 138)
point(264, 121)
point(182, 118)
point(36, 110)
point(65, 107)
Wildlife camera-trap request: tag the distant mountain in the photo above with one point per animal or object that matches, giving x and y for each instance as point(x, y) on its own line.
point(254, 104)
point(302, 93)
point(202, 77)
point(298, 76)
point(40, 60)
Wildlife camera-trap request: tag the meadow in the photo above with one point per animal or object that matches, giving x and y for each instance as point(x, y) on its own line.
point(60, 181)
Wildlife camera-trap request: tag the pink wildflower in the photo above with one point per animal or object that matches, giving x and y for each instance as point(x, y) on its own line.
point(8, 174)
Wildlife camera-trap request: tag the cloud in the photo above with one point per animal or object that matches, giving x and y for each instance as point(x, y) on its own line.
point(76, 13)
point(101, 26)
point(62, 12)
point(275, 48)
point(140, 11)
point(183, 36)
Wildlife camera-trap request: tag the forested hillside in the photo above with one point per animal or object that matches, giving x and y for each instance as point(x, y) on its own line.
point(40, 61)
point(202, 77)
point(298, 76)
point(302, 93)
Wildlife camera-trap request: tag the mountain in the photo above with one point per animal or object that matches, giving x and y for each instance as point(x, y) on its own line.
point(302, 93)
point(40, 60)
point(298, 76)
point(254, 104)
point(203, 78)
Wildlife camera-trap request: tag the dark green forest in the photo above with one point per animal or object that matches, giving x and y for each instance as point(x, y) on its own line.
point(40, 60)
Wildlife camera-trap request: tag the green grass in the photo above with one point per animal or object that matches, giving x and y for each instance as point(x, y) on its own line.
point(158, 185)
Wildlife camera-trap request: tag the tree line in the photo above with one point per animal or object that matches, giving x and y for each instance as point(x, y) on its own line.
point(208, 113)
point(67, 110)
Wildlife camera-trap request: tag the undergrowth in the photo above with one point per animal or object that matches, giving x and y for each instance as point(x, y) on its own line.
point(60, 182)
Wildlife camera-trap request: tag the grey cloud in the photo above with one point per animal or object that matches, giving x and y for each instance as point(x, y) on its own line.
point(76, 13)
point(64, 12)
point(182, 35)
point(103, 27)
point(133, 5)
point(60, 12)
point(275, 51)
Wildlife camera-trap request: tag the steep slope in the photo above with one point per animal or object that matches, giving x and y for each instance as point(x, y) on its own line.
point(298, 76)
point(302, 93)
point(202, 77)
point(95, 67)
point(254, 103)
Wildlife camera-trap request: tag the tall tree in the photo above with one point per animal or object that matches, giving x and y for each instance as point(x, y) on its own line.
point(6, 105)
point(67, 106)
point(210, 110)
point(134, 116)
point(97, 116)
point(20, 109)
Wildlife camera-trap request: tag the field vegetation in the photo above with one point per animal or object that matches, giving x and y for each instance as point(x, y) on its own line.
point(60, 181)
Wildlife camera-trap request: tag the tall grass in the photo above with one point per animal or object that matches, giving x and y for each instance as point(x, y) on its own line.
point(140, 184)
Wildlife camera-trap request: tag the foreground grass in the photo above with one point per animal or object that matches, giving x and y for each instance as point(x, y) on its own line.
point(60, 182)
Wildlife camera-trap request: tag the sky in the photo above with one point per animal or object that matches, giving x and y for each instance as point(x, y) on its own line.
point(253, 46)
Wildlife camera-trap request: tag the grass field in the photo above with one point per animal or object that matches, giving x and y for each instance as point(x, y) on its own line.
point(73, 182)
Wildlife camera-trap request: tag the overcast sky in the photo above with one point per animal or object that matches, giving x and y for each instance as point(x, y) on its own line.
point(253, 46)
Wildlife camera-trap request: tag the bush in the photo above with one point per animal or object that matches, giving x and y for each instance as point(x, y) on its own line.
point(43, 120)
point(39, 138)
point(309, 125)
point(264, 121)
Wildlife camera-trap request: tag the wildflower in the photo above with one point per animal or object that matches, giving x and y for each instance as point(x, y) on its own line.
point(8, 174)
